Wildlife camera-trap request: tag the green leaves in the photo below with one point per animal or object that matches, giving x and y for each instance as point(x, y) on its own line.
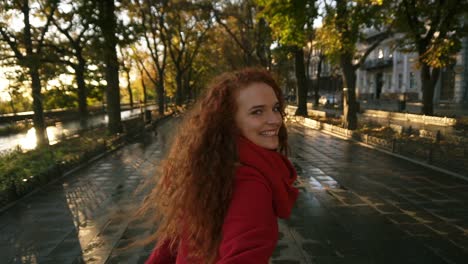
point(291, 21)
point(344, 23)
point(431, 28)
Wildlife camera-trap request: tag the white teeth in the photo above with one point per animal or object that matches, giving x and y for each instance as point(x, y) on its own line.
point(268, 133)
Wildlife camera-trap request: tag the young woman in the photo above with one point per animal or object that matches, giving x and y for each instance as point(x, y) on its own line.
point(226, 179)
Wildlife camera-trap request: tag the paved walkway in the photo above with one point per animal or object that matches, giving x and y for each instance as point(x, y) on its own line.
point(356, 205)
point(88, 215)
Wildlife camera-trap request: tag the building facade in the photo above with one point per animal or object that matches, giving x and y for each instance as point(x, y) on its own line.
point(388, 73)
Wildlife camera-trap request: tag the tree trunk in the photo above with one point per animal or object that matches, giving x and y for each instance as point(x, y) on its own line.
point(349, 92)
point(428, 81)
point(301, 91)
point(12, 104)
point(317, 85)
point(143, 85)
point(161, 96)
point(39, 122)
point(82, 93)
point(129, 87)
point(179, 91)
point(108, 26)
point(187, 88)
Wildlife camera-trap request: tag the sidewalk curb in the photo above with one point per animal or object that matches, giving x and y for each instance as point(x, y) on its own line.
point(451, 173)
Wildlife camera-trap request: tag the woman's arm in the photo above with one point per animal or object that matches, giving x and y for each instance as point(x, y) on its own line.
point(250, 229)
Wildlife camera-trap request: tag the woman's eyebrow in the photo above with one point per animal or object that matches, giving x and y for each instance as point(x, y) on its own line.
point(262, 106)
point(257, 106)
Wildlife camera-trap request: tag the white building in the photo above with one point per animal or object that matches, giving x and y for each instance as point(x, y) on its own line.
point(388, 73)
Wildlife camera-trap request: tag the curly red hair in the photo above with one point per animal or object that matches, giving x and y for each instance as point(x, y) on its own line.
point(197, 177)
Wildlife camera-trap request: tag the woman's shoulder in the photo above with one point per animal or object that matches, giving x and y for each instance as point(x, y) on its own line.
point(249, 173)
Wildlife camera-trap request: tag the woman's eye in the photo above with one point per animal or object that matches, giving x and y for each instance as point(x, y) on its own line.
point(276, 109)
point(257, 112)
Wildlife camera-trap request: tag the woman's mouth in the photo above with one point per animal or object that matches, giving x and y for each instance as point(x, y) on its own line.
point(268, 133)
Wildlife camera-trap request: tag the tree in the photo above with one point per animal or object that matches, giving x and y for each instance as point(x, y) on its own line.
point(73, 21)
point(126, 65)
point(151, 16)
point(186, 27)
point(246, 30)
point(17, 90)
point(28, 49)
point(291, 23)
point(107, 23)
point(315, 59)
point(342, 29)
point(433, 29)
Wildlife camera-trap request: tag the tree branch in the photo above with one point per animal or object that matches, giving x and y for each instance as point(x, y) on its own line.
point(377, 42)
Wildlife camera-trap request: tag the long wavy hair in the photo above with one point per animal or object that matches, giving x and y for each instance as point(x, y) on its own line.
point(196, 179)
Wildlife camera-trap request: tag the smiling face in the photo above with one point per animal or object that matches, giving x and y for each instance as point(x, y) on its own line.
point(258, 115)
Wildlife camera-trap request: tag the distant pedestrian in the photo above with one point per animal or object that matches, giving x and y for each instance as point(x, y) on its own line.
point(226, 179)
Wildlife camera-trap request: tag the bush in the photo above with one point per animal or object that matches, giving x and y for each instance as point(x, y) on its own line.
point(462, 123)
point(22, 171)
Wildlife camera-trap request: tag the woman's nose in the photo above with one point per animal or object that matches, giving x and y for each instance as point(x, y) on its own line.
point(274, 118)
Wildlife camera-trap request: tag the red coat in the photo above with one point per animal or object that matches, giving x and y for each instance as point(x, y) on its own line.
point(262, 192)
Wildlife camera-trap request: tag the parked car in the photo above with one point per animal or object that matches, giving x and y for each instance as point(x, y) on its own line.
point(330, 99)
point(323, 100)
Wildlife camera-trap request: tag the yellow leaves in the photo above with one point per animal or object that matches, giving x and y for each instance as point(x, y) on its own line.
point(329, 40)
point(370, 2)
point(438, 53)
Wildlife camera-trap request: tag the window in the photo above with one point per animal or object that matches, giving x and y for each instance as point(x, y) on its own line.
point(380, 56)
point(412, 81)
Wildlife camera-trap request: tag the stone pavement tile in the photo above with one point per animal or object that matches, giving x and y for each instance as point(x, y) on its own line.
point(401, 251)
point(7, 252)
point(461, 240)
point(342, 260)
point(327, 200)
point(316, 248)
point(69, 248)
point(368, 230)
point(461, 225)
point(401, 218)
point(387, 209)
point(348, 198)
point(433, 194)
point(445, 249)
point(397, 191)
point(408, 206)
point(444, 228)
point(422, 216)
point(288, 248)
point(451, 215)
point(417, 230)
